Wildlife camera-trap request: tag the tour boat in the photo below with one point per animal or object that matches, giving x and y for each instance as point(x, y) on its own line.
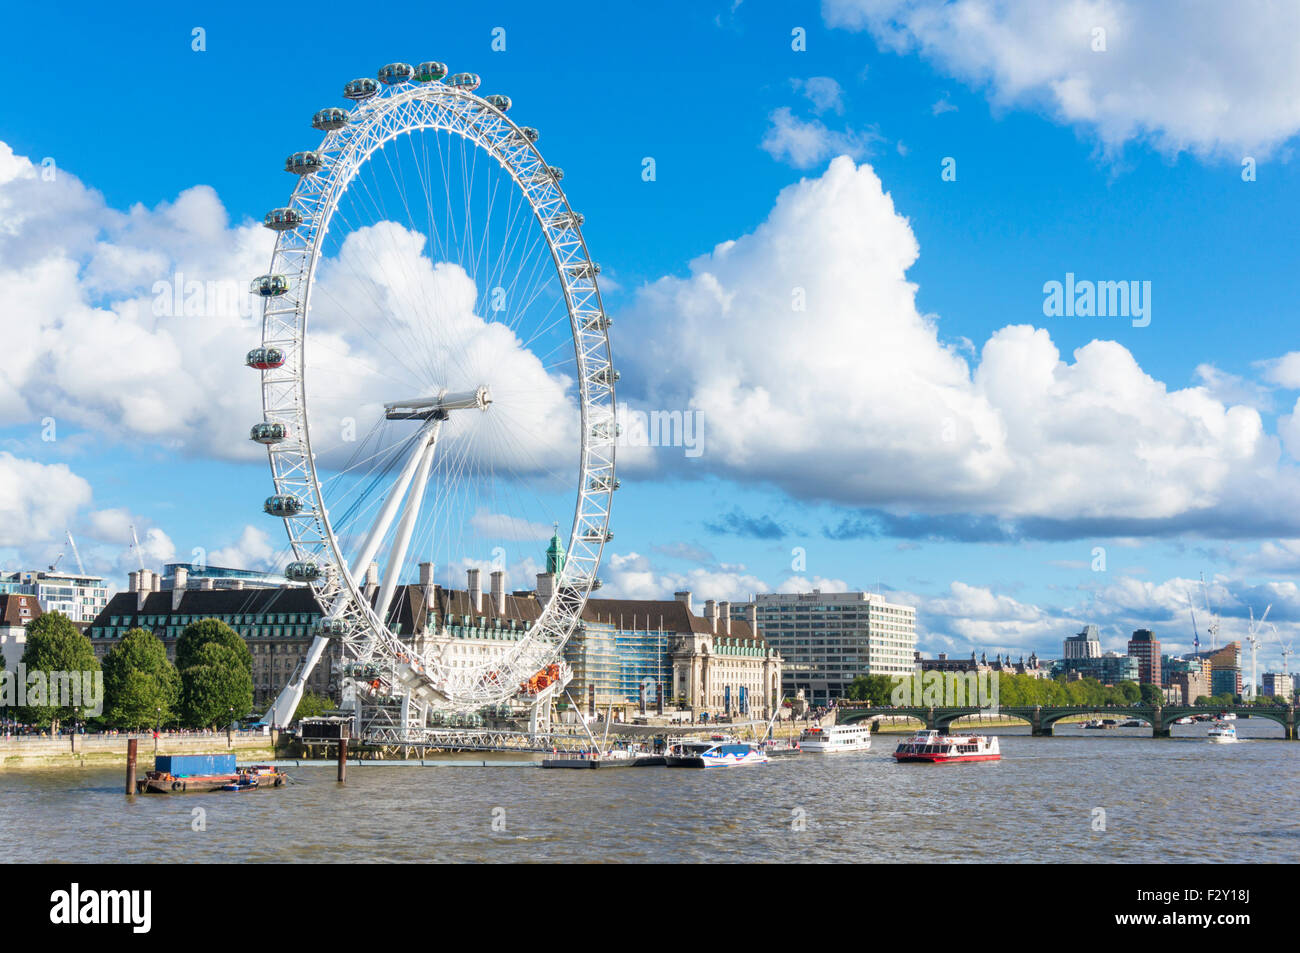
point(933, 748)
point(835, 738)
point(1222, 733)
point(714, 754)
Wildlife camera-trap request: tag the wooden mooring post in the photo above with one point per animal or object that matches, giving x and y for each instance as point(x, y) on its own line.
point(131, 745)
point(343, 760)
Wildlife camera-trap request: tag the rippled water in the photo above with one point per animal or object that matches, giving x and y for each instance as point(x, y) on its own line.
point(1179, 800)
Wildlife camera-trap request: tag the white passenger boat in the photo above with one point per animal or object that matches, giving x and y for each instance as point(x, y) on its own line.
point(1222, 733)
point(835, 738)
point(933, 748)
point(714, 754)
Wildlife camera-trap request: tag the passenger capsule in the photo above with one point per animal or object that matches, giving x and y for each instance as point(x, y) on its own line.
point(282, 505)
point(606, 375)
point(524, 134)
point(330, 118)
point(546, 174)
point(282, 219)
point(603, 483)
point(269, 286)
point(268, 433)
point(265, 358)
point(303, 163)
point(430, 72)
point(596, 322)
point(329, 628)
point(583, 269)
point(395, 73)
point(359, 89)
point(566, 219)
point(499, 102)
point(466, 81)
point(302, 572)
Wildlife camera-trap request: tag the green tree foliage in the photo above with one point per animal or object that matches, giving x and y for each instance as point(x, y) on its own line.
point(217, 687)
point(313, 704)
point(55, 648)
point(1152, 694)
point(199, 634)
point(876, 689)
point(139, 681)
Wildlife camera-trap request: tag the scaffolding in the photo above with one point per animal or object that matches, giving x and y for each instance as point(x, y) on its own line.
point(620, 661)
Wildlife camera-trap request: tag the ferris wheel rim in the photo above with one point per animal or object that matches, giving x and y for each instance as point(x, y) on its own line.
point(344, 152)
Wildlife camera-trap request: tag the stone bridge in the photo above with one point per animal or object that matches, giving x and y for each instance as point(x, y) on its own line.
point(1042, 718)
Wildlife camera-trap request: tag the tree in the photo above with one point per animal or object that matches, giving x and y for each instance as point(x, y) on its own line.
point(1152, 694)
point(57, 657)
point(217, 688)
point(312, 704)
point(877, 689)
point(205, 632)
point(139, 681)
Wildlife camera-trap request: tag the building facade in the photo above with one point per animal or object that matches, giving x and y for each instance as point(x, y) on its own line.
point(1110, 668)
point(827, 639)
point(1278, 685)
point(16, 610)
point(78, 596)
point(1085, 645)
point(1145, 647)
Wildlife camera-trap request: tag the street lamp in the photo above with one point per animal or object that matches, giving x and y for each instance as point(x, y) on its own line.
point(157, 722)
point(230, 725)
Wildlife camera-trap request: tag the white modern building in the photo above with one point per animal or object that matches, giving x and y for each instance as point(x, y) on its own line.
point(79, 597)
point(1278, 685)
point(827, 639)
point(1087, 644)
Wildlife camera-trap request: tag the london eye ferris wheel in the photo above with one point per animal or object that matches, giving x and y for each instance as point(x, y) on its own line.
point(437, 384)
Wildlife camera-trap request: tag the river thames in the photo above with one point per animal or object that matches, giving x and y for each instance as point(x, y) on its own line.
point(1176, 800)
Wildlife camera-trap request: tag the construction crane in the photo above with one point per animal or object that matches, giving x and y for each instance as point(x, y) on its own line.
point(1196, 635)
point(1213, 627)
point(1252, 636)
point(81, 569)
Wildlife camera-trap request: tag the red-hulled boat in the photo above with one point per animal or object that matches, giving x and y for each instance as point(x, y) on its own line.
point(933, 748)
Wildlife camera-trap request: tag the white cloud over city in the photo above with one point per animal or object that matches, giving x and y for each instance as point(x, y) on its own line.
point(1223, 83)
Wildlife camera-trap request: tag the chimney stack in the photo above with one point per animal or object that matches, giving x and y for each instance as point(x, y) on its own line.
point(724, 614)
point(239, 584)
point(372, 582)
point(711, 613)
point(132, 581)
point(499, 592)
point(155, 582)
point(426, 582)
point(684, 598)
point(545, 586)
point(179, 582)
point(751, 616)
point(476, 590)
point(206, 583)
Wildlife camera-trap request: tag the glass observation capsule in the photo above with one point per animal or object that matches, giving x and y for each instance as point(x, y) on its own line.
point(303, 163)
point(395, 73)
point(265, 358)
point(269, 286)
point(302, 572)
point(583, 269)
point(282, 505)
point(359, 89)
point(567, 219)
point(524, 134)
point(499, 102)
point(268, 433)
point(330, 118)
point(330, 627)
point(466, 81)
point(283, 219)
point(606, 375)
point(430, 72)
point(603, 483)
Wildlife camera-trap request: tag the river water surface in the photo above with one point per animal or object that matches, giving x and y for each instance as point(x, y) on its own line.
point(1174, 800)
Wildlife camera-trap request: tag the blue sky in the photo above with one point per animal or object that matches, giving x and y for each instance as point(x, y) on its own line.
point(1108, 185)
